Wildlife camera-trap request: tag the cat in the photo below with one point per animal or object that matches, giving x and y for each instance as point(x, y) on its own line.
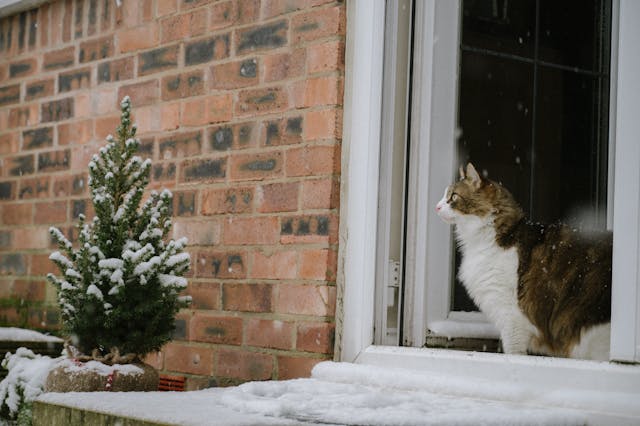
point(547, 288)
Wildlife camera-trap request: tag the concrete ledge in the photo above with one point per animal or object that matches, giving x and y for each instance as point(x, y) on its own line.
point(46, 414)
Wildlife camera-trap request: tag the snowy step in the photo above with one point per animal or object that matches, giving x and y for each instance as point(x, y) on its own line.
point(345, 394)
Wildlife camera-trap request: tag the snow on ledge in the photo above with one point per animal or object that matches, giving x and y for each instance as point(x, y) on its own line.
point(337, 393)
point(13, 334)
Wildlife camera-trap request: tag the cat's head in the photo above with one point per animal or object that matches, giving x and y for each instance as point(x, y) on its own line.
point(476, 198)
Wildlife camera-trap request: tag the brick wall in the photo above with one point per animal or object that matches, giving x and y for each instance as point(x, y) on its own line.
point(239, 105)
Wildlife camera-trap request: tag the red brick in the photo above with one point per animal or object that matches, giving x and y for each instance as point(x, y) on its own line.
point(313, 161)
point(320, 194)
point(39, 89)
point(105, 126)
point(224, 14)
point(205, 295)
point(116, 70)
point(306, 300)
point(138, 38)
point(244, 365)
point(273, 8)
point(41, 265)
point(96, 49)
point(29, 290)
point(202, 232)
point(63, 186)
point(34, 188)
point(183, 85)
point(5, 289)
point(216, 329)
point(79, 78)
point(320, 91)
point(170, 116)
point(223, 201)
point(9, 143)
point(318, 24)
point(31, 238)
point(166, 7)
point(254, 230)
point(194, 112)
point(262, 101)
point(247, 297)
point(277, 197)
point(219, 108)
point(283, 131)
point(326, 56)
point(82, 154)
point(17, 213)
point(156, 60)
point(204, 170)
point(23, 68)
point(154, 359)
point(215, 109)
point(188, 359)
point(235, 136)
point(233, 75)
point(23, 116)
point(256, 166)
point(75, 133)
point(324, 124)
point(275, 265)
point(319, 264)
point(180, 145)
point(315, 337)
point(10, 94)
point(50, 212)
point(290, 367)
point(183, 26)
point(273, 334)
point(305, 229)
point(54, 161)
point(61, 58)
point(221, 264)
point(143, 93)
point(43, 25)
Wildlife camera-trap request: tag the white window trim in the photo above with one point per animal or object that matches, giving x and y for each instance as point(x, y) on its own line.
point(359, 192)
point(11, 7)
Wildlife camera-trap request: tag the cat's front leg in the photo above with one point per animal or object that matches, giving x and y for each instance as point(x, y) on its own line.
point(516, 336)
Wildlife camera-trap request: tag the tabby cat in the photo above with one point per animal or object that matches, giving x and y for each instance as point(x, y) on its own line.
point(547, 288)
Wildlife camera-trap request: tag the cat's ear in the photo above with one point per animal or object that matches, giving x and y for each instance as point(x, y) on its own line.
point(461, 171)
point(473, 175)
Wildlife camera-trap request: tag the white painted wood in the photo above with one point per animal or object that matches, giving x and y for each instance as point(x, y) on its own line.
point(388, 142)
point(359, 186)
point(432, 156)
point(625, 306)
point(11, 7)
point(585, 380)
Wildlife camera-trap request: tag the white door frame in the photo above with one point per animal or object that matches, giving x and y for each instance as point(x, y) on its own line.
point(358, 228)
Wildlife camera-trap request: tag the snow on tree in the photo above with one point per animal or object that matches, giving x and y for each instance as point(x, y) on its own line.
point(120, 288)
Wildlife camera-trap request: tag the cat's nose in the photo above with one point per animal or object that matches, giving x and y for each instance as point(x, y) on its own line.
point(438, 207)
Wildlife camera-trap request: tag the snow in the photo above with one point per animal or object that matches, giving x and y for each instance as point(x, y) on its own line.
point(56, 256)
point(25, 379)
point(12, 334)
point(100, 368)
point(337, 393)
point(92, 289)
point(461, 327)
point(167, 280)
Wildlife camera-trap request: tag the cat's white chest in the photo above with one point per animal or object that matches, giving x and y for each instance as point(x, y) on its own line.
point(490, 274)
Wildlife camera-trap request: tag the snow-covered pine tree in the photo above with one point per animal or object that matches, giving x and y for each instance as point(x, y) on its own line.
point(120, 287)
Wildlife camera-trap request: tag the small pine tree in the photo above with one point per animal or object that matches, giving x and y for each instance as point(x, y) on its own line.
point(120, 287)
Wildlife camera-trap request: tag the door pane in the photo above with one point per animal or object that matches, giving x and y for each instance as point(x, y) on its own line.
point(533, 106)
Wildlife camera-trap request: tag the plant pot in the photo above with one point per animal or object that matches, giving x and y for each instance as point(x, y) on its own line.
point(94, 376)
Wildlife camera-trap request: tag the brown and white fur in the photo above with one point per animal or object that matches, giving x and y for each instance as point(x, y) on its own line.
point(547, 288)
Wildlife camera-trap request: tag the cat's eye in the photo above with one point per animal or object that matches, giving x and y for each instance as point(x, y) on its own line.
point(454, 197)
